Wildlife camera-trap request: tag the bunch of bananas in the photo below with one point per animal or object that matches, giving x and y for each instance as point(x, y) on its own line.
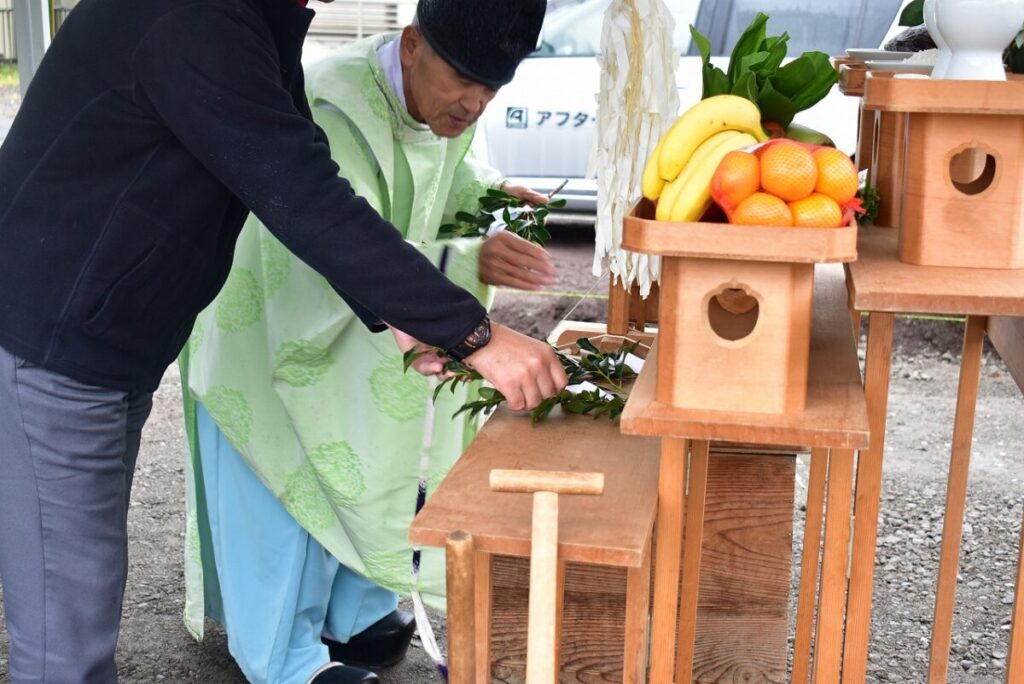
point(679, 172)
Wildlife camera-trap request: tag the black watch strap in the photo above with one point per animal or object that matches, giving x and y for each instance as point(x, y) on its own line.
point(477, 339)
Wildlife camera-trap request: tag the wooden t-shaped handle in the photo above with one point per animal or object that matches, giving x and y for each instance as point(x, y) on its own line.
point(542, 637)
point(529, 481)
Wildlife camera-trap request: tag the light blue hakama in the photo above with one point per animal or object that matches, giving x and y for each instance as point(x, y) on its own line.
point(279, 588)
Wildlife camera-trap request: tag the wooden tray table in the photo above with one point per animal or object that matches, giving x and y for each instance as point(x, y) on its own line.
point(881, 286)
point(833, 424)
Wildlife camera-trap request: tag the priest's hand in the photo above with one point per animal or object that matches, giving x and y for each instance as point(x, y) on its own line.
point(528, 195)
point(430, 363)
point(526, 371)
point(509, 260)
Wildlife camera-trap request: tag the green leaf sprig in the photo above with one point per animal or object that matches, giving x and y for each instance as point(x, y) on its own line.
point(607, 371)
point(520, 218)
point(870, 202)
point(756, 73)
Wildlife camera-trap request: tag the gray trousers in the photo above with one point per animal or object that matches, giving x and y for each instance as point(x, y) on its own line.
point(67, 455)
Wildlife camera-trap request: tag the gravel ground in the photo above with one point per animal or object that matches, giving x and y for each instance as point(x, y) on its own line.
point(155, 647)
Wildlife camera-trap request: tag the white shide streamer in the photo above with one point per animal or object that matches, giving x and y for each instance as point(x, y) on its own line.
point(637, 103)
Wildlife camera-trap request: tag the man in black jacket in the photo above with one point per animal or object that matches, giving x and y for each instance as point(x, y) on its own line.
point(149, 132)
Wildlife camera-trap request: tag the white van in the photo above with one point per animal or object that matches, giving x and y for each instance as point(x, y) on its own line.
point(539, 128)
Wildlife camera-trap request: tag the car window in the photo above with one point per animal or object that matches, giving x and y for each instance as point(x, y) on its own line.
point(830, 26)
point(572, 28)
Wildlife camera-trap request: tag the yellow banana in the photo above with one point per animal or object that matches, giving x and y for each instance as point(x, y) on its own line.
point(694, 197)
point(667, 199)
point(700, 122)
point(652, 183)
point(673, 189)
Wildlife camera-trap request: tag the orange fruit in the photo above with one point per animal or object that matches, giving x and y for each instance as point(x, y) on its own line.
point(737, 177)
point(788, 170)
point(762, 209)
point(837, 176)
point(816, 211)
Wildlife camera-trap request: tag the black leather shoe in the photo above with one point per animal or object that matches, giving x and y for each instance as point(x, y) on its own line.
point(382, 644)
point(345, 674)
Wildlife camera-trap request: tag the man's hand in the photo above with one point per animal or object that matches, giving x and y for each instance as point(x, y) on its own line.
point(523, 369)
point(509, 260)
point(430, 363)
point(526, 194)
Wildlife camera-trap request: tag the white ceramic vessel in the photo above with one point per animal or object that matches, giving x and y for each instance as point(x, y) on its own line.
point(933, 29)
point(977, 32)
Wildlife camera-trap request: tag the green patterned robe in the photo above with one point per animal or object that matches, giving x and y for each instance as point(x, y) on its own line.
point(317, 405)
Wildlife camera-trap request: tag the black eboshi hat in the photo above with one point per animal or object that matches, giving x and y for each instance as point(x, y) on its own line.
point(483, 40)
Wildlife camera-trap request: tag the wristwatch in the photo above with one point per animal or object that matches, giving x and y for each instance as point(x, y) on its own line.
point(477, 339)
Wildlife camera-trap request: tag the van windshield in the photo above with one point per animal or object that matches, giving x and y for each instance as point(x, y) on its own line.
point(572, 28)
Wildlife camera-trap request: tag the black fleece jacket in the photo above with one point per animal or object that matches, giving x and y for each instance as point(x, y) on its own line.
point(150, 130)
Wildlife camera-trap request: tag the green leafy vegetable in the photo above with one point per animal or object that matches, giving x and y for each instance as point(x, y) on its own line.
point(756, 72)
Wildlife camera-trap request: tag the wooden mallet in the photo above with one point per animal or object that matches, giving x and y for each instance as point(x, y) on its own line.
point(542, 639)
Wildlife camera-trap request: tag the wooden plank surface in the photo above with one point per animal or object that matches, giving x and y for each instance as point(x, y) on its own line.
point(742, 623)
point(879, 281)
point(610, 529)
point(835, 415)
point(641, 233)
point(1004, 98)
point(1007, 336)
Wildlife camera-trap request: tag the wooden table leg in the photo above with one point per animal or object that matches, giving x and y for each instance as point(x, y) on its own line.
point(459, 568)
point(828, 642)
point(638, 600)
point(483, 617)
point(956, 497)
point(809, 566)
point(878, 368)
point(1015, 661)
point(693, 540)
point(669, 531)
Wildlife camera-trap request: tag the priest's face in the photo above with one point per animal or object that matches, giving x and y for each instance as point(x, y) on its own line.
point(435, 93)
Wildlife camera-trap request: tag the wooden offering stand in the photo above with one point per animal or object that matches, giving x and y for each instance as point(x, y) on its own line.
point(960, 193)
point(882, 285)
point(829, 416)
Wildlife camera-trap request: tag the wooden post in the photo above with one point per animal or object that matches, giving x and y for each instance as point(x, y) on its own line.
point(669, 544)
point(541, 665)
point(693, 544)
point(459, 568)
point(546, 572)
point(878, 368)
point(828, 643)
point(484, 607)
point(638, 604)
point(956, 497)
point(1015, 661)
point(809, 566)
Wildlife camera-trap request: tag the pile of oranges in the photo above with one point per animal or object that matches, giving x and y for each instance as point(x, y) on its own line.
point(785, 183)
